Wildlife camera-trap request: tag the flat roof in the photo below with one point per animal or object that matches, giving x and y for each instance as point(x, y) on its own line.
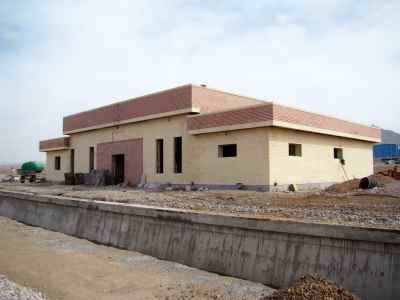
point(212, 110)
point(186, 99)
point(61, 143)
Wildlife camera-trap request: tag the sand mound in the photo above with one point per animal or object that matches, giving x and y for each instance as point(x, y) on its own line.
point(312, 287)
point(353, 184)
point(344, 187)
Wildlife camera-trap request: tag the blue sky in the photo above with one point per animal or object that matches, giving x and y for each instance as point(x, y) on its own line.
point(340, 58)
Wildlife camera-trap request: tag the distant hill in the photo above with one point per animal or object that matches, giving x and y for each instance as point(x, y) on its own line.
point(390, 137)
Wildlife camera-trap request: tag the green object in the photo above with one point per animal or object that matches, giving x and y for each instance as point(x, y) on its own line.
point(32, 166)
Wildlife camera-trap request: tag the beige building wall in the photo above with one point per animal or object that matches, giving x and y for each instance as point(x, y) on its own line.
point(53, 174)
point(249, 167)
point(165, 128)
point(262, 155)
point(200, 160)
point(317, 163)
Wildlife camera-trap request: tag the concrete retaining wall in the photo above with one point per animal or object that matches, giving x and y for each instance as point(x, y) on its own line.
point(366, 261)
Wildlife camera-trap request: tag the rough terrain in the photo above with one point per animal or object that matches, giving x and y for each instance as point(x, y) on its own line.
point(355, 208)
point(64, 267)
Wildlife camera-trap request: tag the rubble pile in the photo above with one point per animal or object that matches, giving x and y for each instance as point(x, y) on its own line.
point(310, 287)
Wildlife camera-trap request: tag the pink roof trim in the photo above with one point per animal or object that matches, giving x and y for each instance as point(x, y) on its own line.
point(276, 112)
point(63, 142)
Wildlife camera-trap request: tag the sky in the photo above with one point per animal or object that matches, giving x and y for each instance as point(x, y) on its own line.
point(340, 58)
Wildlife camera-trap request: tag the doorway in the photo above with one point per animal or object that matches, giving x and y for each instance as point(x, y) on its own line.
point(118, 168)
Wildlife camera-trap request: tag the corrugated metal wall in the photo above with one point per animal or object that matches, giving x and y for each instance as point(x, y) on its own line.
point(386, 150)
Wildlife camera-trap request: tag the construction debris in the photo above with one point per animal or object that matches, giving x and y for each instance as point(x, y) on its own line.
point(292, 188)
point(97, 178)
point(203, 189)
point(154, 187)
point(310, 287)
point(9, 178)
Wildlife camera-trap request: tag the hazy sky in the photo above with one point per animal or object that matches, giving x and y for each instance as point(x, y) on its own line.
point(60, 57)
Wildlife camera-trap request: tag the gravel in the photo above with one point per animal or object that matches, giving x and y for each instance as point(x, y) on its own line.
point(373, 208)
point(11, 291)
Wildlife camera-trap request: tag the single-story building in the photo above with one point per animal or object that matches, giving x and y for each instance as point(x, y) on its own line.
point(197, 135)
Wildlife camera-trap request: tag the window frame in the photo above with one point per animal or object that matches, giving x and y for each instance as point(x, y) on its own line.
point(338, 153)
point(178, 155)
point(298, 150)
point(57, 163)
point(222, 151)
point(91, 158)
point(160, 156)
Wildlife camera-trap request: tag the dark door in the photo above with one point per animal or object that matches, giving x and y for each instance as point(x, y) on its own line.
point(72, 161)
point(118, 168)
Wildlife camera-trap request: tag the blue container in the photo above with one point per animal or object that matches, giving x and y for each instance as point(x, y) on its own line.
point(386, 150)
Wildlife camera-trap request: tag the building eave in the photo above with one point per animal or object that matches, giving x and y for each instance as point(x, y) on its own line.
point(284, 125)
point(192, 110)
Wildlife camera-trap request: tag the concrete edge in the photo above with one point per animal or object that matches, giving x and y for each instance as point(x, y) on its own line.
point(389, 236)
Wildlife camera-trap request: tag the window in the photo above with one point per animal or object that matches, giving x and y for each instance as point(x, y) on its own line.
point(57, 163)
point(229, 150)
point(178, 154)
point(294, 149)
point(337, 153)
point(160, 156)
point(91, 158)
point(72, 161)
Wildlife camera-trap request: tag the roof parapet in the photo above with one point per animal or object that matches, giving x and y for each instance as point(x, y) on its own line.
point(61, 143)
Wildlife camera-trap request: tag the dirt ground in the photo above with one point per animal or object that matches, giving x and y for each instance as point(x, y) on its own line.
point(369, 209)
point(63, 267)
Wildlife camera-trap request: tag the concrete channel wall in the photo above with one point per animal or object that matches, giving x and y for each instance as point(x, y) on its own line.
point(273, 252)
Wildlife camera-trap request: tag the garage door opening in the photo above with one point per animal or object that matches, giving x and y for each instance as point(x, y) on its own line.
point(118, 168)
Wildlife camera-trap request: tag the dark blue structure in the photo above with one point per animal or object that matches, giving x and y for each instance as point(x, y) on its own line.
point(386, 151)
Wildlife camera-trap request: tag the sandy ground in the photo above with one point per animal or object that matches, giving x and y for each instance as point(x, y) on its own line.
point(64, 267)
point(355, 209)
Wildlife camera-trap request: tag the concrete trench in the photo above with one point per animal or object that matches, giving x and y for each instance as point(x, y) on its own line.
point(273, 252)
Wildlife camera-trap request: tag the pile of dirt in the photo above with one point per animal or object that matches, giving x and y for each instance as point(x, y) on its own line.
point(379, 180)
point(312, 287)
point(344, 187)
